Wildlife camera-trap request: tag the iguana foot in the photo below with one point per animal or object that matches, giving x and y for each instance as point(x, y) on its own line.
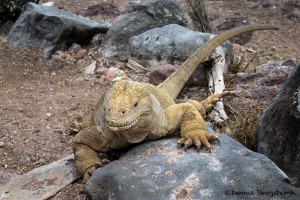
point(198, 138)
point(80, 123)
point(89, 172)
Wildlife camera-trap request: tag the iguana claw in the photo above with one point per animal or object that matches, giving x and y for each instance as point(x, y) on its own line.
point(180, 142)
point(186, 146)
point(218, 140)
point(198, 147)
point(179, 145)
point(198, 138)
point(209, 149)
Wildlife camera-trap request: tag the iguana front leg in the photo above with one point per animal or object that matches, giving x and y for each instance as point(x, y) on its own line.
point(81, 123)
point(191, 123)
point(189, 117)
point(86, 146)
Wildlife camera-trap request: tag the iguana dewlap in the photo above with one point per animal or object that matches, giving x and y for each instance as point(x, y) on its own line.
point(132, 112)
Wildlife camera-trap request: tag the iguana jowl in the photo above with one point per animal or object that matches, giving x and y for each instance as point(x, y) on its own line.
point(131, 112)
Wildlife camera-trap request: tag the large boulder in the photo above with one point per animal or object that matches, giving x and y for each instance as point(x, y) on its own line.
point(172, 44)
point(278, 132)
point(138, 17)
point(10, 10)
point(52, 29)
point(158, 170)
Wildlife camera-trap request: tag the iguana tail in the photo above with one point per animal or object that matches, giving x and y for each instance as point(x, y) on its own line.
point(174, 83)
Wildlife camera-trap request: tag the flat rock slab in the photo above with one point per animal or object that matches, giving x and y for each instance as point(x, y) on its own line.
point(158, 170)
point(52, 29)
point(43, 182)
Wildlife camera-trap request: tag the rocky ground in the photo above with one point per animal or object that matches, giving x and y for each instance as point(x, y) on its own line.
point(39, 98)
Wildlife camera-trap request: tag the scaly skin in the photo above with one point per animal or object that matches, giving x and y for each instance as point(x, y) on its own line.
point(132, 112)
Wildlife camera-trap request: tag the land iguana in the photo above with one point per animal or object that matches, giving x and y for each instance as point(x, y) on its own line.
point(131, 112)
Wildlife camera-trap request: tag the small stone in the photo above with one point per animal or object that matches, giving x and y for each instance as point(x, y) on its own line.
point(236, 47)
point(21, 110)
point(266, 4)
point(91, 68)
point(66, 56)
point(58, 53)
point(81, 53)
point(49, 4)
point(2, 144)
point(101, 70)
point(33, 158)
point(273, 48)
point(112, 73)
point(159, 75)
point(74, 48)
point(97, 39)
point(57, 62)
point(36, 131)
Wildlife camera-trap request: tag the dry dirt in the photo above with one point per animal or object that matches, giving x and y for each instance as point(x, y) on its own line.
point(38, 101)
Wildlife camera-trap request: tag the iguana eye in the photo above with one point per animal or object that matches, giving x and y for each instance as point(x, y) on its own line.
point(136, 104)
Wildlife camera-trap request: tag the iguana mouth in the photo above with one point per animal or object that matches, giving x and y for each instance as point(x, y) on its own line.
point(119, 126)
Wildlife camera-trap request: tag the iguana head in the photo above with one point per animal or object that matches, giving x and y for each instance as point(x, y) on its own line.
point(128, 110)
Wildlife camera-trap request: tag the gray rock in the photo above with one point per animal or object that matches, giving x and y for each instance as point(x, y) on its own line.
point(138, 17)
point(265, 82)
point(52, 29)
point(90, 69)
point(158, 170)
point(291, 10)
point(43, 182)
point(10, 10)
point(172, 44)
point(160, 74)
point(278, 132)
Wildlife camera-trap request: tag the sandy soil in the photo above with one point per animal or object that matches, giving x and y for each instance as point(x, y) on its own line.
point(38, 101)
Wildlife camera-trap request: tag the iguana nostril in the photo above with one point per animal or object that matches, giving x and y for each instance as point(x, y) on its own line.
point(123, 112)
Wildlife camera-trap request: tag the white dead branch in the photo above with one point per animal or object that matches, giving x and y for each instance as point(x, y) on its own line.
point(216, 82)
